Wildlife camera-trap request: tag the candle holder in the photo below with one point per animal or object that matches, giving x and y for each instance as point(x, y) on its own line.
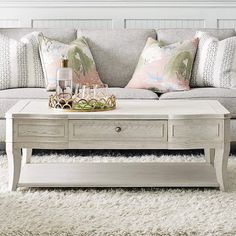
point(85, 99)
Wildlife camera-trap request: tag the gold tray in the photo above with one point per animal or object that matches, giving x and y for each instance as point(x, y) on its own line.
point(70, 104)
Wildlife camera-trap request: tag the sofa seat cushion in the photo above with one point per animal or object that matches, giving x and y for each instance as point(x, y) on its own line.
point(126, 93)
point(227, 97)
point(11, 96)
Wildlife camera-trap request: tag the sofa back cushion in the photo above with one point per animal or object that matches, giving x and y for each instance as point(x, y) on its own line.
point(169, 36)
point(63, 35)
point(20, 64)
point(215, 64)
point(116, 52)
point(164, 68)
point(80, 60)
point(20, 61)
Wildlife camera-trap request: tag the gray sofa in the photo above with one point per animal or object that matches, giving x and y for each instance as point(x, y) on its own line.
point(116, 53)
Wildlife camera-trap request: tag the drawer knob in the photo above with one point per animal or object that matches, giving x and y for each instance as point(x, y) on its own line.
point(118, 129)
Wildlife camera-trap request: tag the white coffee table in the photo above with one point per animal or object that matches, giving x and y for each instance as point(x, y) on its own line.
point(135, 124)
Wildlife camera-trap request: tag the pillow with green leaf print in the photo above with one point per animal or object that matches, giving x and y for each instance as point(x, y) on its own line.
point(164, 68)
point(80, 60)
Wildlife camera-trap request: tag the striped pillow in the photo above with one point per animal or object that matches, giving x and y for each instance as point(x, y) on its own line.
point(20, 64)
point(215, 62)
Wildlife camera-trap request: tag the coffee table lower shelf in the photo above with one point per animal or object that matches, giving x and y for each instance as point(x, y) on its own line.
point(118, 174)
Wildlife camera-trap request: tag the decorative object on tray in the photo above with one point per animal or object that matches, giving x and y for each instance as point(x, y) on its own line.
point(164, 68)
point(80, 60)
point(86, 99)
point(81, 97)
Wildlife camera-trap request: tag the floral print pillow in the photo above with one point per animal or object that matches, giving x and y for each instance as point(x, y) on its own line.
point(80, 60)
point(164, 68)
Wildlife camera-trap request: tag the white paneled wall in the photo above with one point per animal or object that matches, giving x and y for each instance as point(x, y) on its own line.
point(8, 23)
point(76, 23)
point(163, 23)
point(222, 23)
point(118, 14)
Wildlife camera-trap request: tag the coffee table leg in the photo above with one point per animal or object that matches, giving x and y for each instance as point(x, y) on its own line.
point(26, 155)
point(220, 163)
point(210, 155)
point(14, 166)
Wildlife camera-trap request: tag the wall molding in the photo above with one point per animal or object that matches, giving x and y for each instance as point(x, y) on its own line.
point(118, 3)
point(117, 14)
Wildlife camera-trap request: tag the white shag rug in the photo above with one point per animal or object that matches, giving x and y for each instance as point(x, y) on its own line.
point(129, 212)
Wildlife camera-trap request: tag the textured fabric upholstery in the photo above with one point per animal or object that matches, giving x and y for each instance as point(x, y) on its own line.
point(116, 52)
point(169, 36)
point(11, 96)
point(63, 35)
point(227, 97)
point(214, 64)
point(126, 93)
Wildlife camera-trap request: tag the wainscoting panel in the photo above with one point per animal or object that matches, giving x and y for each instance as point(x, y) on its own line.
point(118, 14)
point(225, 23)
point(164, 23)
point(9, 23)
point(73, 23)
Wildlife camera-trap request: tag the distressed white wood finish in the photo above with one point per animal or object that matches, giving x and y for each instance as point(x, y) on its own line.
point(135, 124)
point(92, 13)
point(14, 165)
point(220, 163)
point(54, 130)
point(210, 155)
point(119, 174)
point(125, 110)
point(221, 158)
point(180, 131)
point(115, 130)
point(26, 155)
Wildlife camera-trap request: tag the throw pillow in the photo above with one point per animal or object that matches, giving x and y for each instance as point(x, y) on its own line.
point(215, 64)
point(20, 64)
point(80, 60)
point(164, 68)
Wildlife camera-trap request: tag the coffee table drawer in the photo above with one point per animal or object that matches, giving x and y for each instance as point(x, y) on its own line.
point(195, 130)
point(122, 130)
point(40, 130)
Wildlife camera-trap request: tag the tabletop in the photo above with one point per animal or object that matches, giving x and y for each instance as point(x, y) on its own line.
point(126, 109)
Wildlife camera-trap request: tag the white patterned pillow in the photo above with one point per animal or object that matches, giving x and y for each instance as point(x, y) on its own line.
point(20, 64)
point(215, 62)
point(80, 60)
